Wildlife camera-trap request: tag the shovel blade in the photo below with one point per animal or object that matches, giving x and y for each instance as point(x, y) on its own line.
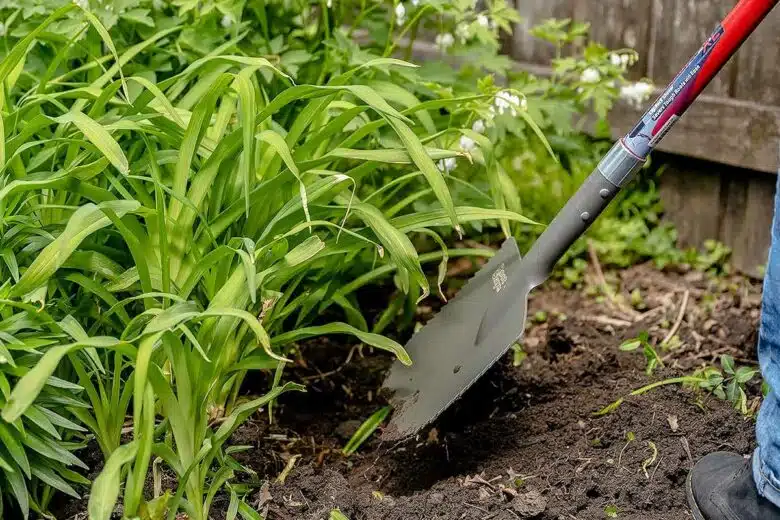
point(447, 357)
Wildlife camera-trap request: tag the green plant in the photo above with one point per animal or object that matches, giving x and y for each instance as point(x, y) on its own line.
point(196, 225)
point(651, 355)
point(337, 515)
point(518, 354)
point(728, 382)
point(36, 450)
point(365, 430)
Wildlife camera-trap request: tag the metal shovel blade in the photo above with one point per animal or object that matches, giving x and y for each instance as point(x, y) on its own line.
point(447, 355)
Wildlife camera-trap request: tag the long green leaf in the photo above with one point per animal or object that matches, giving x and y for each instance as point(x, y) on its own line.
point(30, 385)
point(399, 246)
point(85, 221)
point(375, 340)
point(20, 49)
point(247, 107)
point(365, 430)
point(14, 447)
point(105, 489)
point(415, 221)
point(98, 136)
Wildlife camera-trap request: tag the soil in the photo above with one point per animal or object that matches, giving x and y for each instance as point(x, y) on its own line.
point(524, 442)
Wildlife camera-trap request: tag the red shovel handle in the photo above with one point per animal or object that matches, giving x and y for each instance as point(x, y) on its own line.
point(696, 75)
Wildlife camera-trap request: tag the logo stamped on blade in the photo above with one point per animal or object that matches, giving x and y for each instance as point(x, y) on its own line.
point(499, 278)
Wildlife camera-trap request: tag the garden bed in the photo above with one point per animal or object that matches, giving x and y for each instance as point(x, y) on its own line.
point(524, 442)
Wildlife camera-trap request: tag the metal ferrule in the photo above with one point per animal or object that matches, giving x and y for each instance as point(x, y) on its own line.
point(620, 165)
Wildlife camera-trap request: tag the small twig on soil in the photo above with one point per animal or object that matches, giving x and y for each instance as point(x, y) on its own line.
point(656, 468)
point(324, 375)
point(606, 320)
point(687, 449)
point(652, 312)
point(287, 469)
point(680, 317)
point(605, 287)
point(477, 507)
point(584, 465)
point(594, 258)
point(714, 353)
point(478, 479)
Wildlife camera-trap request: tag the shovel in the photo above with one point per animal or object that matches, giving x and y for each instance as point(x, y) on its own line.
point(487, 316)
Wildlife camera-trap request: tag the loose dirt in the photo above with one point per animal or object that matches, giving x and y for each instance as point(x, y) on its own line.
point(524, 442)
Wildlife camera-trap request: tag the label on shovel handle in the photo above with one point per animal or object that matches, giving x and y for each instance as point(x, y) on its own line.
point(668, 109)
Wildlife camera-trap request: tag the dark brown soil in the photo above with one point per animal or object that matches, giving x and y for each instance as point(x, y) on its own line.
point(524, 442)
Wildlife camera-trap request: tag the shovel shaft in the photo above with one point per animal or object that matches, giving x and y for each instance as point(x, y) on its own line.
point(630, 153)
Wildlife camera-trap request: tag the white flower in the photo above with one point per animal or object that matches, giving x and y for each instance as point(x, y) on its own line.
point(524, 104)
point(616, 59)
point(444, 41)
point(508, 102)
point(483, 20)
point(463, 32)
point(415, 2)
point(636, 93)
point(478, 126)
point(447, 165)
point(626, 60)
point(590, 75)
point(329, 3)
point(227, 21)
point(400, 14)
point(467, 144)
point(84, 4)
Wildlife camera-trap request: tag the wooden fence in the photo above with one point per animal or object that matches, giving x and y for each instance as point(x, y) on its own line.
point(734, 129)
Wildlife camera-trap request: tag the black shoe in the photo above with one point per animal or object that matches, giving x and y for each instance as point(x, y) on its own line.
point(721, 487)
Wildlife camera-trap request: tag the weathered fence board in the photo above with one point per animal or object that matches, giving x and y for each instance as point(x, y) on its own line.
point(684, 186)
point(747, 214)
point(710, 201)
point(526, 48)
point(681, 27)
point(757, 65)
point(619, 24)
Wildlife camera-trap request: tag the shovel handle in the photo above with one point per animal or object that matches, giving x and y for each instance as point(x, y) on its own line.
point(630, 153)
